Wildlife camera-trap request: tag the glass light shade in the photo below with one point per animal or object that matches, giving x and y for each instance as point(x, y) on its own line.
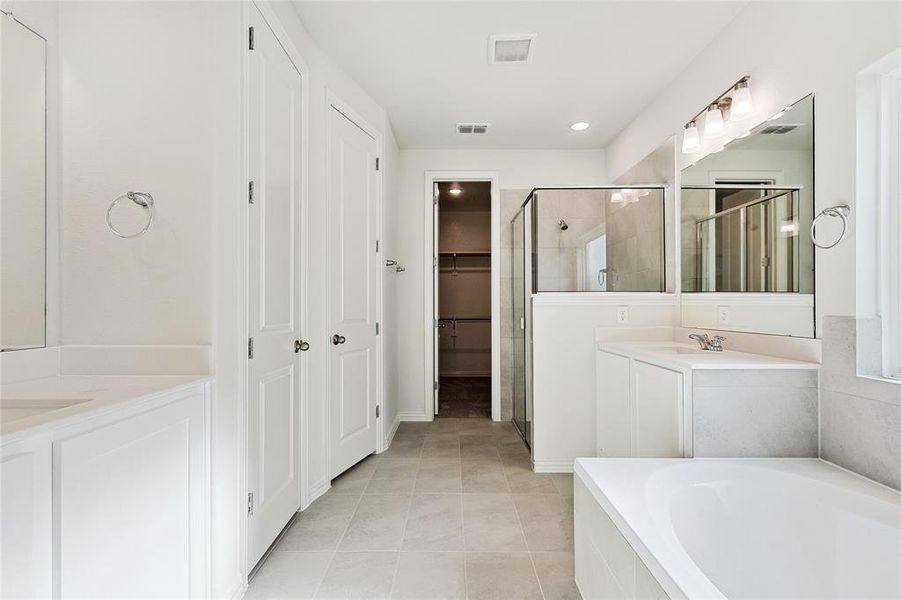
point(713, 122)
point(690, 138)
point(742, 103)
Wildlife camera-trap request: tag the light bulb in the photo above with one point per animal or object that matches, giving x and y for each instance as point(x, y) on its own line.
point(742, 104)
point(455, 189)
point(579, 126)
point(616, 198)
point(713, 122)
point(690, 138)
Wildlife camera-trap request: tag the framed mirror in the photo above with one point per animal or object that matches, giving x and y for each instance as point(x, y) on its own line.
point(746, 254)
point(23, 197)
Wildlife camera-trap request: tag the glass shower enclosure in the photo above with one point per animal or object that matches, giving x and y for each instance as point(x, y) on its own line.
point(578, 240)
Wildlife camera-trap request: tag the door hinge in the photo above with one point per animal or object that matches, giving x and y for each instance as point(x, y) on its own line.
point(376, 245)
point(376, 327)
point(435, 385)
point(249, 504)
point(250, 38)
point(378, 412)
point(249, 347)
point(250, 192)
point(376, 164)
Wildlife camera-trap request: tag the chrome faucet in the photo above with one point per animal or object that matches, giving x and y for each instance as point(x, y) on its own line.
point(714, 345)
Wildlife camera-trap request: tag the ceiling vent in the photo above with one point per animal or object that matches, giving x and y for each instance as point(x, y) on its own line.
point(780, 129)
point(472, 127)
point(510, 48)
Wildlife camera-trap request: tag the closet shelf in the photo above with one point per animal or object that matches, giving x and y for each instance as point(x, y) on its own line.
point(464, 318)
point(466, 253)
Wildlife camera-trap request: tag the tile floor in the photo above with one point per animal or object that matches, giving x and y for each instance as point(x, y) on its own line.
point(450, 510)
point(464, 397)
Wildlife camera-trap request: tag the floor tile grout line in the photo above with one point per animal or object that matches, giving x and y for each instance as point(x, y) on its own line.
point(403, 536)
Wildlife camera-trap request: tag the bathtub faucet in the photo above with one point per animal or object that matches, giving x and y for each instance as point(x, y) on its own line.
point(714, 345)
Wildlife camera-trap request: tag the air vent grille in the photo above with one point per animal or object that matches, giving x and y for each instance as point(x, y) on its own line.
point(510, 48)
point(472, 128)
point(780, 129)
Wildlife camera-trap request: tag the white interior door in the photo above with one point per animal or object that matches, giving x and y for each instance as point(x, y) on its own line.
point(436, 324)
point(352, 200)
point(274, 154)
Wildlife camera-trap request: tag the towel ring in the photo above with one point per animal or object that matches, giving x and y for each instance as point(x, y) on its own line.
point(842, 211)
point(142, 199)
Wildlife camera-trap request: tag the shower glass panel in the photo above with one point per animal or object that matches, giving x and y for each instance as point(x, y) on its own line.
point(607, 239)
point(518, 352)
point(742, 240)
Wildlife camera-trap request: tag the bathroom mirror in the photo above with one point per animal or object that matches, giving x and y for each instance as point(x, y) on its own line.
point(746, 254)
point(22, 187)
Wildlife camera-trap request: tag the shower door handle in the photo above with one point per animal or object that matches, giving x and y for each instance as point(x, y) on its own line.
point(338, 339)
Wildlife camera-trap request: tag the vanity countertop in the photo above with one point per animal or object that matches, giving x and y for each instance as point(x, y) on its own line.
point(682, 357)
point(35, 403)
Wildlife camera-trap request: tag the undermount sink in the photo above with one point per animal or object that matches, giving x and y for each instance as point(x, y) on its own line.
point(13, 409)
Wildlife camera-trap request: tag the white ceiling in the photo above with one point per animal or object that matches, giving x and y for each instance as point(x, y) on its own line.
point(427, 64)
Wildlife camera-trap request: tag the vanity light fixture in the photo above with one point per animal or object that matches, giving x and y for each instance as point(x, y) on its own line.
point(742, 103)
point(580, 126)
point(691, 139)
point(713, 122)
point(735, 101)
point(455, 189)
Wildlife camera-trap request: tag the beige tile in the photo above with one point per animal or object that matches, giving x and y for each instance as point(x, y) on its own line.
point(355, 479)
point(435, 522)
point(480, 452)
point(321, 525)
point(484, 476)
point(556, 575)
point(359, 575)
point(500, 576)
point(405, 447)
point(490, 523)
point(439, 476)
point(430, 576)
point(563, 482)
point(523, 480)
point(547, 522)
point(393, 476)
point(289, 575)
point(441, 446)
point(377, 524)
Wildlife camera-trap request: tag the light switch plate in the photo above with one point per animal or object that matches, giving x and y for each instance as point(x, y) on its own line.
point(622, 314)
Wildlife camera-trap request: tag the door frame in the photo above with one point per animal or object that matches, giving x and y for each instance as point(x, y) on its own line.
point(269, 17)
point(432, 177)
point(334, 101)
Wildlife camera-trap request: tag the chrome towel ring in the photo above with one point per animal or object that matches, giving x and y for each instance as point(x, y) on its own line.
point(142, 199)
point(842, 211)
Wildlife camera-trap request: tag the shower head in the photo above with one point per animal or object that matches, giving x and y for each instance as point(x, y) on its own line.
point(563, 225)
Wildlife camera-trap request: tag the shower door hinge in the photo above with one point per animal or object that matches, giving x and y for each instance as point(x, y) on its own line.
point(249, 347)
point(249, 504)
point(250, 39)
point(378, 412)
point(250, 192)
point(376, 164)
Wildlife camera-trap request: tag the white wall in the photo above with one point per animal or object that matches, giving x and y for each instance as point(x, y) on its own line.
point(405, 216)
point(822, 48)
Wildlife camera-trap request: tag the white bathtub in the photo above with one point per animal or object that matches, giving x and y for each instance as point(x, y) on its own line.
point(739, 528)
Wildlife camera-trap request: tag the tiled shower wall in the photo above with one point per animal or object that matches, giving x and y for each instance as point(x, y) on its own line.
point(860, 417)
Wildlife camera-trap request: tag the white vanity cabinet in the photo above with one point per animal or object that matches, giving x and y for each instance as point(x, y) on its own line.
point(640, 410)
point(111, 503)
point(26, 512)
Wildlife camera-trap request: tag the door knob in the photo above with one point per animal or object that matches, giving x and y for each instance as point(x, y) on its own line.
point(301, 346)
point(338, 339)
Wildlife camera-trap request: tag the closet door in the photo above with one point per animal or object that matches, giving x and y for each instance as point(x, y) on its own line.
point(274, 155)
point(352, 201)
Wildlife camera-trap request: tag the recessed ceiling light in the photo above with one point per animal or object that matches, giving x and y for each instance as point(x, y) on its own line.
point(455, 189)
point(580, 126)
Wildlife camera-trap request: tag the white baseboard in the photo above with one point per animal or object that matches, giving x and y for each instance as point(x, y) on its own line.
point(391, 432)
point(553, 466)
point(414, 416)
point(22, 365)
